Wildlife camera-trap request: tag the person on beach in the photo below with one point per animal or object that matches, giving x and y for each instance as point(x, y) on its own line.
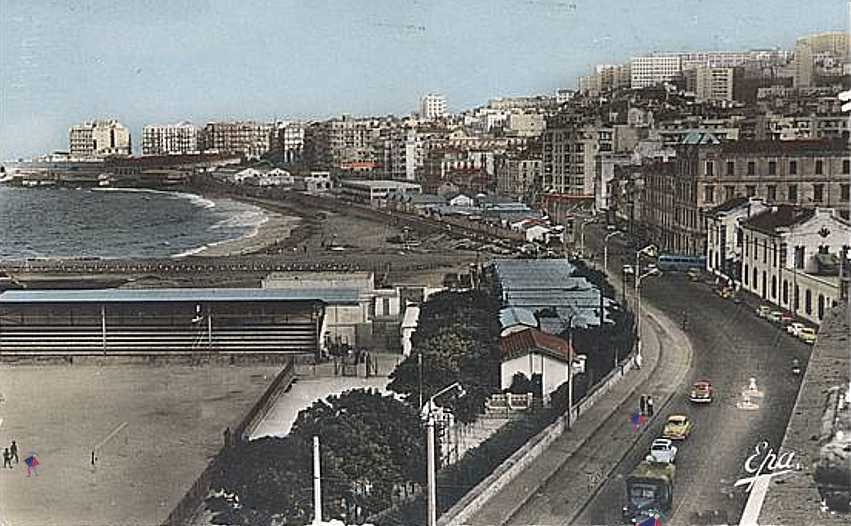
point(643, 405)
point(13, 449)
point(650, 406)
point(7, 458)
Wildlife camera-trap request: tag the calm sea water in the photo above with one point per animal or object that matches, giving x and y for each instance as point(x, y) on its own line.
point(111, 223)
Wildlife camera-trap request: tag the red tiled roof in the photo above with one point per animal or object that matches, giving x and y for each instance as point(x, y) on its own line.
point(778, 217)
point(532, 340)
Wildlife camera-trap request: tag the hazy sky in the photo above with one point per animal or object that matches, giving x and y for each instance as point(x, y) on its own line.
point(146, 61)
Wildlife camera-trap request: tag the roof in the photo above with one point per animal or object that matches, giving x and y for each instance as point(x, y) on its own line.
point(349, 296)
point(427, 199)
point(511, 316)
point(779, 216)
point(380, 184)
point(729, 204)
point(532, 340)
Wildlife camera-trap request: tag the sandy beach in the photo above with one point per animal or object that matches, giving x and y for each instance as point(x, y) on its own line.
point(276, 229)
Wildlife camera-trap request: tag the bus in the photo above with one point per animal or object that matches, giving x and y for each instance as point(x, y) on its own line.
point(672, 262)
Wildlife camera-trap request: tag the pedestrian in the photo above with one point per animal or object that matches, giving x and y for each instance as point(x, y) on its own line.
point(31, 463)
point(635, 420)
point(643, 404)
point(650, 406)
point(14, 451)
point(7, 458)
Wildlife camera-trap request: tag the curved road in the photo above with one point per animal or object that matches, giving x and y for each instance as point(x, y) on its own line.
point(731, 345)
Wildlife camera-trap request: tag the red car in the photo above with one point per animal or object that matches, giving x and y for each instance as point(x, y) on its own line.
point(701, 392)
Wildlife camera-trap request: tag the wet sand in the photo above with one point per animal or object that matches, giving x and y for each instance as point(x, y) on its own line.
point(275, 230)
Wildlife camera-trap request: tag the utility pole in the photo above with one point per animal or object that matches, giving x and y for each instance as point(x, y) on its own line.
point(432, 492)
point(317, 483)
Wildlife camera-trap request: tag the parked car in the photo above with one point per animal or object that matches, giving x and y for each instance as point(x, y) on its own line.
point(807, 335)
point(701, 392)
point(763, 311)
point(794, 328)
point(628, 270)
point(774, 316)
point(662, 451)
point(677, 427)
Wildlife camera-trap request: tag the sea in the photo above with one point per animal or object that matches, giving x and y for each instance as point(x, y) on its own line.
point(65, 222)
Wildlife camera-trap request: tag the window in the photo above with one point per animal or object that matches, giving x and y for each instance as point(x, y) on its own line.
point(846, 166)
point(819, 167)
point(773, 287)
point(820, 306)
point(771, 192)
point(731, 167)
point(844, 192)
point(765, 252)
point(785, 292)
point(747, 246)
point(808, 302)
point(751, 190)
point(818, 193)
point(797, 298)
point(772, 167)
point(710, 168)
point(729, 192)
point(745, 274)
point(709, 194)
point(764, 281)
point(793, 193)
point(753, 283)
point(751, 168)
point(793, 167)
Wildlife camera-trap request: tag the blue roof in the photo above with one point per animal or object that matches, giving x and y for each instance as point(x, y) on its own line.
point(510, 316)
point(329, 295)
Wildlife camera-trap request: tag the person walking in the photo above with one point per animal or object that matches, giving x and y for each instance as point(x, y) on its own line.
point(650, 406)
point(643, 404)
point(13, 450)
point(7, 458)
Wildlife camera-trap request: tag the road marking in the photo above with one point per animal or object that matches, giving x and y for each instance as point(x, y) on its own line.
point(1, 422)
point(111, 435)
point(755, 500)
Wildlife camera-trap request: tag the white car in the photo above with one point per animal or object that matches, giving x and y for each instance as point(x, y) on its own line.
point(662, 451)
point(794, 328)
point(627, 269)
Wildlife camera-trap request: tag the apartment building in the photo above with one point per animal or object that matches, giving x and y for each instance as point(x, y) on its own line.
point(98, 139)
point(432, 106)
point(654, 69)
point(248, 138)
point(568, 155)
point(518, 175)
point(342, 143)
point(171, 139)
point(288, 140)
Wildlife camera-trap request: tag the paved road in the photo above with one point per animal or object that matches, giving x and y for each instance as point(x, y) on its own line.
point(731, 345)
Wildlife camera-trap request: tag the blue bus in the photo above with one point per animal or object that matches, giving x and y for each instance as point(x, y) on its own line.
point(675, 263)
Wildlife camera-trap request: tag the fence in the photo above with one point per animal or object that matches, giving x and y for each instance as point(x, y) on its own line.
point(194, 497)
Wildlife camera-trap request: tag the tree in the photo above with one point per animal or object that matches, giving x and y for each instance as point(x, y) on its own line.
point(520, 384)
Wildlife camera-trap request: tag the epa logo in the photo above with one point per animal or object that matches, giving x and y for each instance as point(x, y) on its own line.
point(845, 97)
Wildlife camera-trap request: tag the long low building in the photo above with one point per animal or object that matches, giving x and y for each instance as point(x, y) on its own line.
point(171, 321)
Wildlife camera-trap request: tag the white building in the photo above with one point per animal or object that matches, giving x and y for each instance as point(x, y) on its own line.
point(314, 183)
point(724, 235)
point(289, 140)
point(377, 193)
point(432, 106)
point(99, 139)
point(791, 258)
point(716, 84)
point(170, 139)
point(654, 69)
point(543, 358)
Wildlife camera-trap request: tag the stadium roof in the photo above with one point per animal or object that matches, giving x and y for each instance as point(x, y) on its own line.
point(178, 295)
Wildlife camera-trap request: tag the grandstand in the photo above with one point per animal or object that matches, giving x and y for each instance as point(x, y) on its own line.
point(169, 321)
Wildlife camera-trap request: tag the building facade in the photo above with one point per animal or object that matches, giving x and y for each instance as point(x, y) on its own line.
point(99, 139)
point(170, 139)
point(568, 156)
point(724, 240)
point(248, 138)
point(432, 106)
point(518, 176)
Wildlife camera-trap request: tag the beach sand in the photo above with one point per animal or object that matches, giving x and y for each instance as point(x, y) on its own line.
point(275, 230)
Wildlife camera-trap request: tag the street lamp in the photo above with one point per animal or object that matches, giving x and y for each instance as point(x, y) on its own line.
point(432, 475)
point(649, 250)
point(606, 249)
point(651, 272)
point(582, 235)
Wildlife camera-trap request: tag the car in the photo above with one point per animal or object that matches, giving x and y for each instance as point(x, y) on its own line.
point(701, 392)
point(774, 316)
point(677, 427)
point(763, 311)
point(694, 274)
point(794, 328)
point(786, 319)
point(662, 451)
point(807, 335)
point(627, 269)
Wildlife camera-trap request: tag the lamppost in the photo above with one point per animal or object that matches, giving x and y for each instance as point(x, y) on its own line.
point(649, 250)
point(651, 272)
point(432, 472)
point(606, 249)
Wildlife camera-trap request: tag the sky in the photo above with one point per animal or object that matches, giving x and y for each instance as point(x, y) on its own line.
point(162, 61)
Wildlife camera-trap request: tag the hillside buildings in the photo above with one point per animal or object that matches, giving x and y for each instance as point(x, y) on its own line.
point(248, 138)
point(171, 139)
point(432, 106)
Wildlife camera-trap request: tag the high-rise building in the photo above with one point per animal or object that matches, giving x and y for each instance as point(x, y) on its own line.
point(289, 140)
point(343, 144)
point(251, 139)
point(714, 83)
point(432, 106)
point(99, 139)
point(568, 156)
point(654, 69)
point(170, 139)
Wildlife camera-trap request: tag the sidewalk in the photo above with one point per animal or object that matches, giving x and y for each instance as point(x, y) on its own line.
point(557, 485)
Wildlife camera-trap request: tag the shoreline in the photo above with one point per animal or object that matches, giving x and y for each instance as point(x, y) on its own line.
point(274, 230)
